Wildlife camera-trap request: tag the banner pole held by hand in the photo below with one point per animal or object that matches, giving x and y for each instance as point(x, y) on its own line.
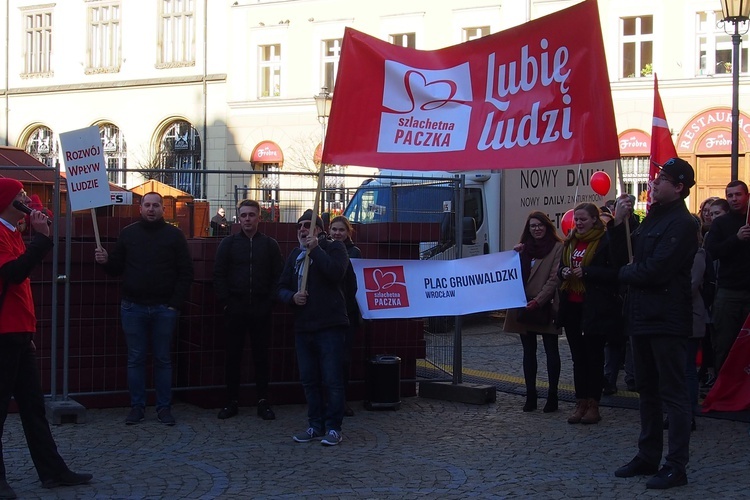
point(313, 220)
point(627, 221)
point(96, 229)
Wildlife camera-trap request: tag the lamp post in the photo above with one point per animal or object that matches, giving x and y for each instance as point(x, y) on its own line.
point(735, 12)
point(323, 104)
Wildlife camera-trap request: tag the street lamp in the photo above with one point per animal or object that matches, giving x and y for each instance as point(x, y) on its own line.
point(323, 104)
point(735, 12)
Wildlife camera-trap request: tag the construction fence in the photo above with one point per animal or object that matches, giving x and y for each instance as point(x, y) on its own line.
point(81, 347)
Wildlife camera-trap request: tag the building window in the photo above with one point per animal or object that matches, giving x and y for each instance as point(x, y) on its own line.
point(635, 178)
point(268, 183)
point(270, 70)
point(104, 39)
point(38, 43)
point(115, 153)
point(715, 45)
point(637, 34)
point(42, 145)
point(404, 40)
point(468, 34)
point(176, 33)
point(330, 57)
point(180, 158)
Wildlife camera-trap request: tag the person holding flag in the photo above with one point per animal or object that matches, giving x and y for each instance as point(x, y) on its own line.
point(314, 288)
point(659, 312)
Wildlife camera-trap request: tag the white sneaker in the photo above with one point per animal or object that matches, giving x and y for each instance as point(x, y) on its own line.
point(332, 438)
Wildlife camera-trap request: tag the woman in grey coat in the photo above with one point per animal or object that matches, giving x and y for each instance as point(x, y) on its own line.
point(540, 250)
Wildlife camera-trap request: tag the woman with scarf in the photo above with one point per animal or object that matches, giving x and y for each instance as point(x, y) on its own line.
point(590, 306)
point(540, 250)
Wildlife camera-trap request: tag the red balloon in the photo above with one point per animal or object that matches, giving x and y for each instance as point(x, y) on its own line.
point(566, 223)
point(600, 183)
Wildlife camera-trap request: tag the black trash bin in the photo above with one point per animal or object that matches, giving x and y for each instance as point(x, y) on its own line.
point(383, 383)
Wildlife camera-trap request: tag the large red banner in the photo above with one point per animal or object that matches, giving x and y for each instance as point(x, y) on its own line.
point(536, 95)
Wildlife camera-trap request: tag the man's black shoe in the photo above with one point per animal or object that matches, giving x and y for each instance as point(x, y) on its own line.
point(264, 410)
point(68, 478)
point(637, 467)
point(5, 490)
point(667, 477)
point(228, 411)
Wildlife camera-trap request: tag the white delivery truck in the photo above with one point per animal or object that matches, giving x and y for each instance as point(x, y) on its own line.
point(497, 202)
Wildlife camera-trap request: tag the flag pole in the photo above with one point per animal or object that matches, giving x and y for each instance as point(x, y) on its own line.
point(627, 221)
point(313, 220)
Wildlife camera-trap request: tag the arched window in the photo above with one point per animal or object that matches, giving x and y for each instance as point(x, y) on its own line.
point(180, 150)
point(115, 153)
point(42, 145)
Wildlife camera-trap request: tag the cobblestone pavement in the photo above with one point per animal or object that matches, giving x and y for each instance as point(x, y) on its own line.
point(427, 449)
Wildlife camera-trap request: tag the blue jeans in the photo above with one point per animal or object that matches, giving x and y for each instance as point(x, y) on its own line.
point(138, 322)
point(320, 358)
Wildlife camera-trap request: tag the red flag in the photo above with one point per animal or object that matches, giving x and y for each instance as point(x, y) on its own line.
point(731, 391)
point(531, 96)
point(662, 147)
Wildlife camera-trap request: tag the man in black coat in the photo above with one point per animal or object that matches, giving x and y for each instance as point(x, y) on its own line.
point(728, 241)
point(659, 321)
point(247, 267)
point(153, 258)
point(320, 326)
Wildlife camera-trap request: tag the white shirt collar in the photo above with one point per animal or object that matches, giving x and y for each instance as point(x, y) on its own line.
point(7, 224)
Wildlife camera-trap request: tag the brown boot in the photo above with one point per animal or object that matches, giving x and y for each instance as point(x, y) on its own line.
point(581, 406)
point(592, 413)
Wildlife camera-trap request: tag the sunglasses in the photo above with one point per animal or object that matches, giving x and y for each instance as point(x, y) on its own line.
point(302, 225)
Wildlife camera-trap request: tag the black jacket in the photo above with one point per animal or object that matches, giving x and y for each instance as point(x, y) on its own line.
point(732, 253)
point(326, 305)
point(659, 295)
point(246, 272)
point(602, 304)
point(350, 284)
point(155, 263)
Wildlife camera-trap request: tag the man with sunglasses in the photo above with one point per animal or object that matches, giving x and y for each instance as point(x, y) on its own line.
point(659, 318)
point(320, 326)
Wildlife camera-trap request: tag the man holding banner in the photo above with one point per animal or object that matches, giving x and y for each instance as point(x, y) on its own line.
point(320, 326)
point(153, 258)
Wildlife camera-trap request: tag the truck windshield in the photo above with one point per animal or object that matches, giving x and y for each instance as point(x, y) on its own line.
point(399, 203)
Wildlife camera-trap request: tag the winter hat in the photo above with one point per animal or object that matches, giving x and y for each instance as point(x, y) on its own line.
point(308, 216)
point(9, 189)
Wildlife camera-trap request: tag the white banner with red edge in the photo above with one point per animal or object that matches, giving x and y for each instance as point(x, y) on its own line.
point(423, 288)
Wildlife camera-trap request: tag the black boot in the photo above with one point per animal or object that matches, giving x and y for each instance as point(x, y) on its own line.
point(551, 405)
point(530, 401)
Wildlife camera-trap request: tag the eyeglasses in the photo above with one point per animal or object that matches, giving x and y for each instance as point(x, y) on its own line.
point(536, 226)
point(665, 178)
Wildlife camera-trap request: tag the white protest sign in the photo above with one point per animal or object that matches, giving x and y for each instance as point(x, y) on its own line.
point(85, 169)
point(423, 288)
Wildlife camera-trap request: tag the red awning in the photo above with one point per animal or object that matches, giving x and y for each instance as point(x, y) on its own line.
point(267, 152)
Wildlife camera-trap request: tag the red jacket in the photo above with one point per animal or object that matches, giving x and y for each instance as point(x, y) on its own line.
point(16, 262)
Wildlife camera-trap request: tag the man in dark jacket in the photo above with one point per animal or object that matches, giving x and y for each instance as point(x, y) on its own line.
point(247, 268)
point(153, 258)
point(320, 326)
point(728, 241)
point(659, 321)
